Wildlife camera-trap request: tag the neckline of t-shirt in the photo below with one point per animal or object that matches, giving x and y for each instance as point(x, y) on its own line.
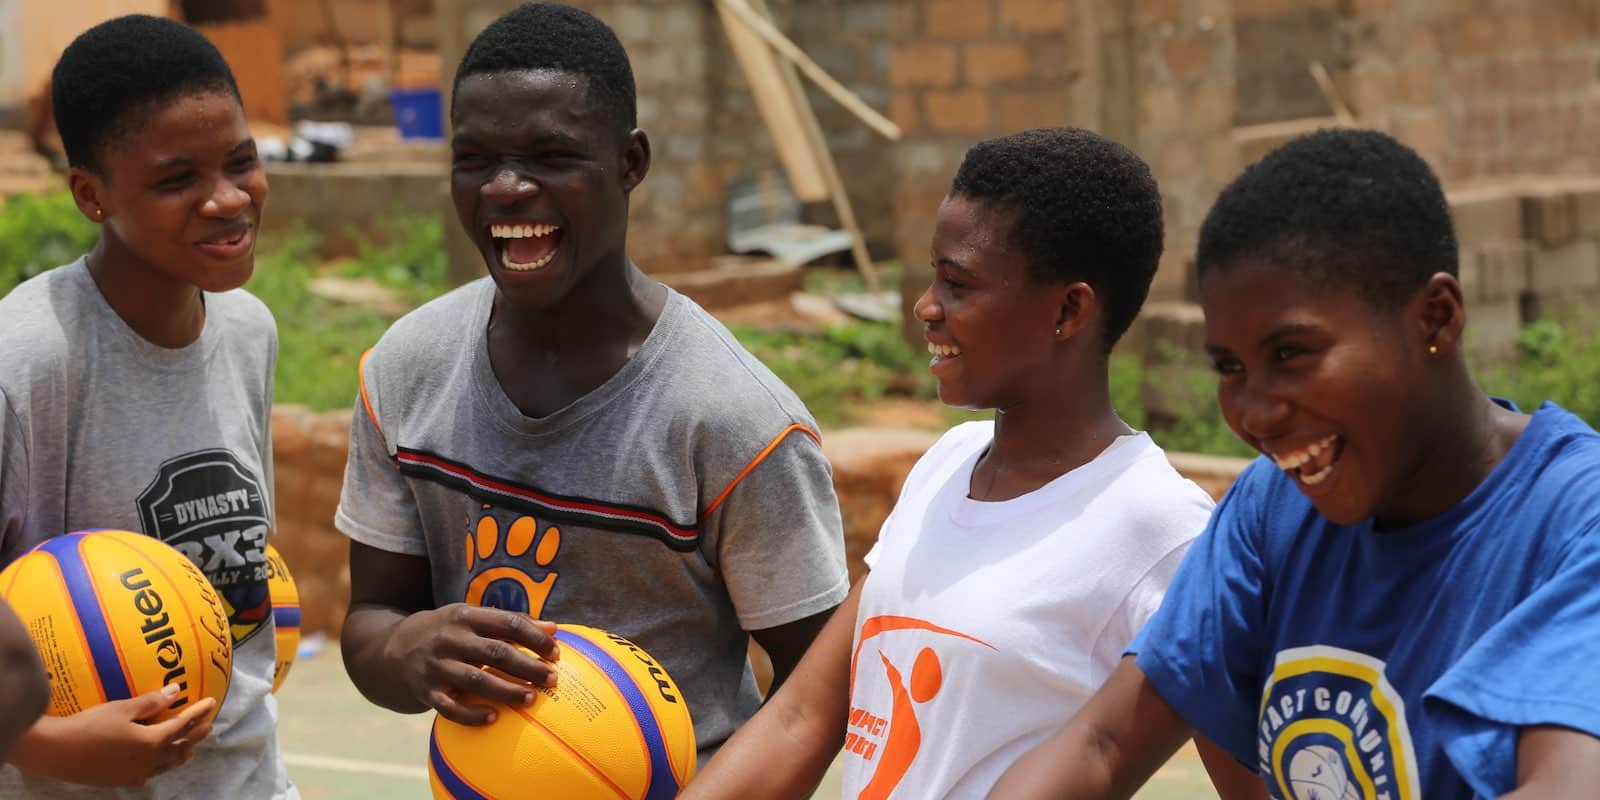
point(166, 359)
point(1091, 476)
point(1452, 523)
point(505, 412)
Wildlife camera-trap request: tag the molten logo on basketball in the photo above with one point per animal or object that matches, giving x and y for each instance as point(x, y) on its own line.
point(1332, 728)
point(663, 687)
point(158, 632)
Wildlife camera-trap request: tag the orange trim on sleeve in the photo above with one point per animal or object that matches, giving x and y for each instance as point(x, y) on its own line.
point(361, 375)
point(756, 462)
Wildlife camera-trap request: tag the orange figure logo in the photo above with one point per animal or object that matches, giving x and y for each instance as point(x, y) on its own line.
point(904, 731)
point(905, 735)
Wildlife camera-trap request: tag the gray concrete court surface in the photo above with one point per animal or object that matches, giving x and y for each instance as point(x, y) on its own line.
point(340, 747)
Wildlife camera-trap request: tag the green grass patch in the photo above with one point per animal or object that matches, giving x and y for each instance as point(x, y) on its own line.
point(39, 232)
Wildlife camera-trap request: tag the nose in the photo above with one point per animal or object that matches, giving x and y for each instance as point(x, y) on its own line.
point(927, 308)
point(508, 186)
point(226, 201)
point(1258, 411)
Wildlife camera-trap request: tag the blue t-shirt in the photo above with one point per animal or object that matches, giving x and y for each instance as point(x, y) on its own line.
point(1345, 663)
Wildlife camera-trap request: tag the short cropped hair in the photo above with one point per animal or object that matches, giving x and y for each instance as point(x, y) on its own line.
point(1354, 207)
point(117, 71)
point(551, 36)
point(1083, 208)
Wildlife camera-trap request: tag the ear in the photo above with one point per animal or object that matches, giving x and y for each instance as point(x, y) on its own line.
point(89, 192)
point(1077, 308)
point(1440, 313)
point(635, 160)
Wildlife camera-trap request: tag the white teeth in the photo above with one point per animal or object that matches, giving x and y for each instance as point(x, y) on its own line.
point(521, 231)
point(1317, 477)
point(519, 267)
point(943, 350)
point(1296, 460)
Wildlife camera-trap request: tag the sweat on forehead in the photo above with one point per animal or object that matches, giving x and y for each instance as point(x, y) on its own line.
point(121, 69)
point(540, 37)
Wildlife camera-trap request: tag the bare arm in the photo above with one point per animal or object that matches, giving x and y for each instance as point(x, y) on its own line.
point(24, 690)
point(1231, 779)
point(786, 644)
point(1554, 762)
point(1119, 739)
point(785, 749)
point(407, 656)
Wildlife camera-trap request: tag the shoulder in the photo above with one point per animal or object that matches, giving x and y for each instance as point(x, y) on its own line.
point(708, 362)
point(428, 336)
point(244, 313)
point(38, 319)
point(1561, 486)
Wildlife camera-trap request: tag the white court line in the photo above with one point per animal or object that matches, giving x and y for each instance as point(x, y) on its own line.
point(352, 765)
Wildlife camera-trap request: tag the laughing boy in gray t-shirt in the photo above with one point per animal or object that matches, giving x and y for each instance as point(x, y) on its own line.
point(572, 441)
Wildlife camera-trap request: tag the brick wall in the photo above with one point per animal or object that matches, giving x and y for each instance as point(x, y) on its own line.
point(1277, 40)
point(1529, 248)
point(1481, 88)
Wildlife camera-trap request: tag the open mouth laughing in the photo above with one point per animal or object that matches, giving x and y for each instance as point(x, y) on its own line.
point(527, 246)
point(1312, 464)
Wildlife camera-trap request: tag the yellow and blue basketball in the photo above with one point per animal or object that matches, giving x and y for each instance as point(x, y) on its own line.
point(615, 726)
point(116, 614)
point(285, 614)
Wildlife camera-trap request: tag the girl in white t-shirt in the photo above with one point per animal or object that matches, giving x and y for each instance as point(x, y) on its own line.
point(1024, 553)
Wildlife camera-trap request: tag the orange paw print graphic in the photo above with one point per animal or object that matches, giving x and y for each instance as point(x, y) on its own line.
point(500, 559)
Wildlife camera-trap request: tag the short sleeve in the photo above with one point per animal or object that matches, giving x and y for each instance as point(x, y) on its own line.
point(13, 482)
point(1134, 612)
point(376, 506)
point(779, 538)
point(1201, 651)
point(1534, 667)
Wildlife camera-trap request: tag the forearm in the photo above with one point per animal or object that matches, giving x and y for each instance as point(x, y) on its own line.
point(24, 692)
point(1109, 749)
point(364, 643)
point(1075, 763)
point(782, 752)
point(44, 749)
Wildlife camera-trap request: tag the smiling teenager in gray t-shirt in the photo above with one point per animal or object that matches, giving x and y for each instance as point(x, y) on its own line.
point(682, 503)
point(100, 428)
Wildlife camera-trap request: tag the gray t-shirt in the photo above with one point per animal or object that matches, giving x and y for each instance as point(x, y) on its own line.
point(99, 428)
point(680, 504)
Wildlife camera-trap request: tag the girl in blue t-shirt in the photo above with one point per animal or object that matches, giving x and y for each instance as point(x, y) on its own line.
point(1401, 599)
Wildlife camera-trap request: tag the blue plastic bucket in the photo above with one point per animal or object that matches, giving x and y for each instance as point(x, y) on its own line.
point(418, 113)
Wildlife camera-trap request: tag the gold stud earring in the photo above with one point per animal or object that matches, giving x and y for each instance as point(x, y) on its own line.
point(1058, 331)
point(99, 213)
point(1433, 350)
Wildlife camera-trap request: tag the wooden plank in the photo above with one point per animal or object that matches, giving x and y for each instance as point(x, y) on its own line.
point(852, 102)
point(830, 172)
point(796, 153)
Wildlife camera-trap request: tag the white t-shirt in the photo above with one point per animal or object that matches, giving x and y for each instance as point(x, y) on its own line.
point(984, 626)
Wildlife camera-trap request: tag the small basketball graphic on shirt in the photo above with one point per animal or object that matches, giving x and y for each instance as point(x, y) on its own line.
point(1318, 772)
point(1333, 728)
point(503, 554)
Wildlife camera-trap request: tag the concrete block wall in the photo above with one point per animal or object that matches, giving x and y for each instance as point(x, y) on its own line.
point(1529, 248)
point(1480, 88)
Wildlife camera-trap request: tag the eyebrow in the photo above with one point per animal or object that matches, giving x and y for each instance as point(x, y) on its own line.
point(543, 139)
point(184, 161)
point(953, 264)
point(1280, 332)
